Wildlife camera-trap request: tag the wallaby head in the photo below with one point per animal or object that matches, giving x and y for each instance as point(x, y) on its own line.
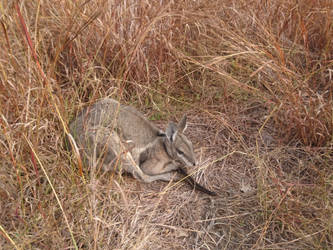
point(178, 147)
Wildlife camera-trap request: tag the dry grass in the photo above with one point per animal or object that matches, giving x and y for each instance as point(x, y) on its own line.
point(255, 78)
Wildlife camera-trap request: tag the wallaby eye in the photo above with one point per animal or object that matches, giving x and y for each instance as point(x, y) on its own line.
point(179, 152)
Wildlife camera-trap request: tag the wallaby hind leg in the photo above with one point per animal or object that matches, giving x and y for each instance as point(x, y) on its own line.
point(104, 146)
point(130, 166)
point(110, 149)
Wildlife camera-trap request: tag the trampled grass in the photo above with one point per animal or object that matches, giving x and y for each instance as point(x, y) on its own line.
point(255, 79)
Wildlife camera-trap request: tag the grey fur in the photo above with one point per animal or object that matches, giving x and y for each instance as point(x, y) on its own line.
point(120, 138)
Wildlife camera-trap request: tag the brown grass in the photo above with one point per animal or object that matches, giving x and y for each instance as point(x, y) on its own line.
point(255, 78)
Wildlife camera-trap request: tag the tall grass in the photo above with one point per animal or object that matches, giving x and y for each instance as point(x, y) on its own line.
point(243, 69)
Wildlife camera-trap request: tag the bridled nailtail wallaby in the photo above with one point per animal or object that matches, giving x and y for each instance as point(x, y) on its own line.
point(121, 138)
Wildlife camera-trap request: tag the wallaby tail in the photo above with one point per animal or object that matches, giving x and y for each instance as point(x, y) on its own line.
point(194, 184)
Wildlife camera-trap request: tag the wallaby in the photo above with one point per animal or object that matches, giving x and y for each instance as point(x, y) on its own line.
point(121, 138)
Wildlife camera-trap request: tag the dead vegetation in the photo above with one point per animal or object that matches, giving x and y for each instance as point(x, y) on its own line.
point(255, 79)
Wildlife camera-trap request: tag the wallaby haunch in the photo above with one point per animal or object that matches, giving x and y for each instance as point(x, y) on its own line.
point(121, 138)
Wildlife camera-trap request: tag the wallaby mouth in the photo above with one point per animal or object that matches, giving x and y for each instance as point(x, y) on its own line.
point(185, 161)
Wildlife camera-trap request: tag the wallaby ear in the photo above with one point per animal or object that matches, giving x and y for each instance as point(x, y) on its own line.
point(171, 131)
point(182, 125)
